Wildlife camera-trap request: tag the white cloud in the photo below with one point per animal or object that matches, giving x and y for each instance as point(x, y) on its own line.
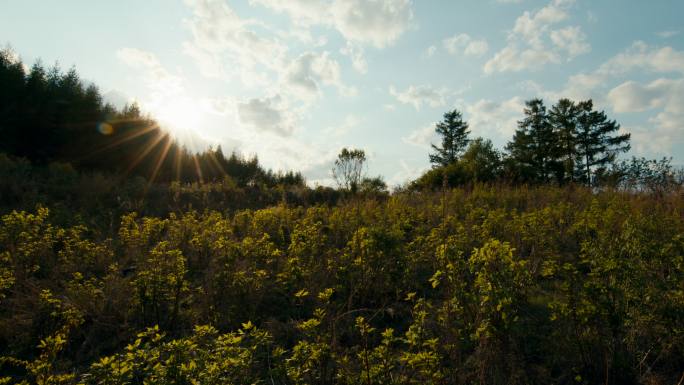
point(417, 96)
point(406, 174)
point(495, 120)
point(572, 40)
point(220, 36)
point(636, 97)
point(513, 59)
point(668, 34)
point(309, 71)
point(421, 137)
point(303, 12)
point(640, 56)
point(378, 22)
point(662, 97)
point(355, 53)
point(267, 115)
point(533, 43)
point(667, 126)
point(463, 44)
point(158, 78)
point(375, 22)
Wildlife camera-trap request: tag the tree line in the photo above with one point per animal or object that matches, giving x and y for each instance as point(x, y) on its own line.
point(47, 115)
point(570, 143)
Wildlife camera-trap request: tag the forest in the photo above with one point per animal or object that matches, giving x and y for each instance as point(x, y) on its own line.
point(559, 260)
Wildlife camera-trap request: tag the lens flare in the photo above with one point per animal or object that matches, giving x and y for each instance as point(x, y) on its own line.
point(105, 128)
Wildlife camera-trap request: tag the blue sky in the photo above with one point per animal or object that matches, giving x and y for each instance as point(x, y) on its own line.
point(295, 81)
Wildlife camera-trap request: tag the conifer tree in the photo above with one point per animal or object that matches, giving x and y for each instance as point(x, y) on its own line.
point(563, 119)
point(454, 132)
point(534, 148)
point(597, 145)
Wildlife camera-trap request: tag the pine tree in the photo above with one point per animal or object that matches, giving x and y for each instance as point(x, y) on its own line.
point(534, 150)
point(597, 145)
point(454, 132)
point(563, 119)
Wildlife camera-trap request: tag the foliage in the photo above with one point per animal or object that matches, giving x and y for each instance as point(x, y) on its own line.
point(454, 134)
point(349, 169)
point(489, 285)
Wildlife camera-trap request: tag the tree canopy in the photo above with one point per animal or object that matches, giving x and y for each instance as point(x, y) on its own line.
point(453, 132)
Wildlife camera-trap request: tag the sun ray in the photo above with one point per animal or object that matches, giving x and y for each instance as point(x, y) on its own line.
point(216, 163)
point(120, 141)
point(198, 169)
point(143, 154)
point(157, 166)
point(178, 162)
point(160, 160)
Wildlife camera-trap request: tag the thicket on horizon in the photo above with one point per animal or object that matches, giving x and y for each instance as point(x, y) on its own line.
point(48, 115)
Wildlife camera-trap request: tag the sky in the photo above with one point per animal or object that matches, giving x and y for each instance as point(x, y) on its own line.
point(294, 81)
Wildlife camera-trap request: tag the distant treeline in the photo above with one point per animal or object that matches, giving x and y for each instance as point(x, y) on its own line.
point(570, 143)
point(47, 115)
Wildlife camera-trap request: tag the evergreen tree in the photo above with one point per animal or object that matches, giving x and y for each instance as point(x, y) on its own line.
point(534, 149)
point(563, 119)
point(597, 143)
point(454, 132)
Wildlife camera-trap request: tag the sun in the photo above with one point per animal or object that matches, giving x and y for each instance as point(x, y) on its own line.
point(178, 114)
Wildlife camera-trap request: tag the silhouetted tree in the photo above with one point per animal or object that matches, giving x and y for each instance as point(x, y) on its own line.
point(348, 170)
point(48, 116)
point(454, 133)
point(481, 161)
point(534, 150)
point(597, 144)
point(563, 119)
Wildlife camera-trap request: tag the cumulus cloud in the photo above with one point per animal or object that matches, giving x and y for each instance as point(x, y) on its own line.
point(378, 22)
point(641, 56)
point(233, 48)
point(303, 12)
point(533, 42)
point(513, 59)
point(267, 115)
point(375, 22)
point(308, 72)
point(157, 77)
point(494, 119)
point(421, 137)
point(417, 96)
point(571, 40)
point(220, 36)
point(463, 44)
point(636, 97)
point(638, 57)
point(610, 86)
point(355, 53)
point(667, 95)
